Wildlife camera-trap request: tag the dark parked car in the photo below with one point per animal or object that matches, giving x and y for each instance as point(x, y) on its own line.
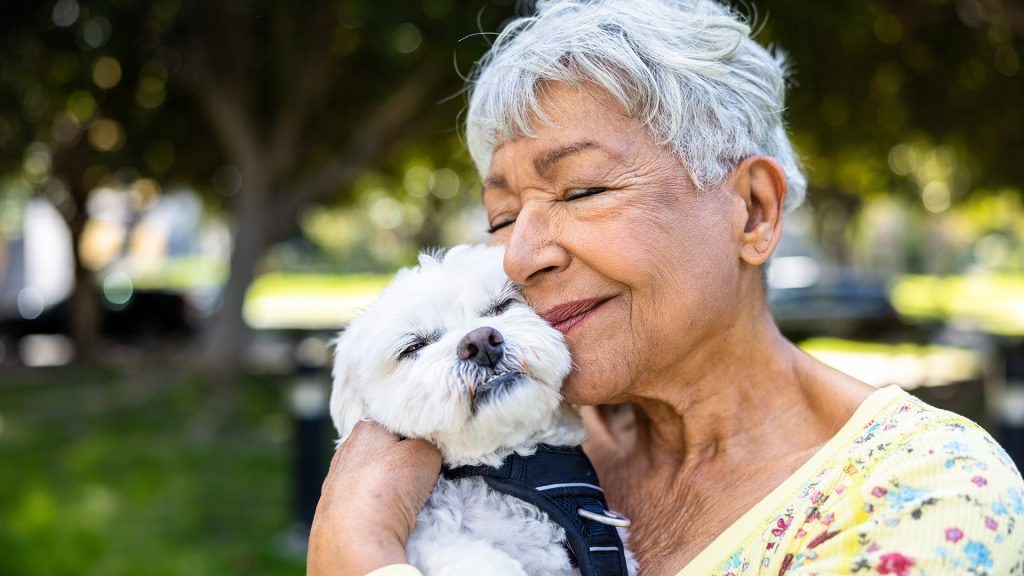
point(146, 315)
point(851, 309)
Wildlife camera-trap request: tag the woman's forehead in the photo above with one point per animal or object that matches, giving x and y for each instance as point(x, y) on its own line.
point(544, 157)
point(571, 115)
point(586, 129)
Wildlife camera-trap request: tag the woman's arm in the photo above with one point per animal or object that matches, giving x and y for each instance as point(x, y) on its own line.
point(374, 490)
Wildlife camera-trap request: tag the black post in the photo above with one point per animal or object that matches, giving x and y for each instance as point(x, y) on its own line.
point(1011, 406)
point(308, 397)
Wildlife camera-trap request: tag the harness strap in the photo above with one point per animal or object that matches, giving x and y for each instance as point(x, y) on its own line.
point(560, 481)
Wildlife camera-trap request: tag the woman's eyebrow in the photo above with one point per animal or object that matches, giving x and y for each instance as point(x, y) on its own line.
point(494, 181)
point(544, 162)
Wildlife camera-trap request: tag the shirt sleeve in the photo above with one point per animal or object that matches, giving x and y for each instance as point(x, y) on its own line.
point(396, 570)
point(947, 500)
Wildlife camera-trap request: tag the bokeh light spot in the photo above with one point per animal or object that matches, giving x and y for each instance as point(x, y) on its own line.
point(445, 183)
point(150, 93)
point(30, 303)
point(106, 135)
point(65, 13)
point(386, 212)
point(37, 163)
point(64, 129)
point(1006, 61)
point(118, 288)
point(416, 180)
point(106, 72)
point(143, 194)
point(888, 29)
point(935, 196)
point(406, 38)
point(82, 106)
point(902, 159)
point(992, 250)
point(96, 32)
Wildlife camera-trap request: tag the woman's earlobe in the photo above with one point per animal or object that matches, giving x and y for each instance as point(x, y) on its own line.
point(758, 243)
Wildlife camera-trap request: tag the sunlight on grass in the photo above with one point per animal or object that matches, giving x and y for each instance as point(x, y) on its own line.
point(993, 303)
point(908, 365)
point(309, 300)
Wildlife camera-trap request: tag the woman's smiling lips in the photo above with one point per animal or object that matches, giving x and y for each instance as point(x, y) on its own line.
point(565, 317)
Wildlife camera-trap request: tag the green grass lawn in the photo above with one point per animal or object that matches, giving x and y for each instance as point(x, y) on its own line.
point(102, 472)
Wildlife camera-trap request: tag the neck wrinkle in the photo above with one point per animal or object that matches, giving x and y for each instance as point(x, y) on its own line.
point(728, 410)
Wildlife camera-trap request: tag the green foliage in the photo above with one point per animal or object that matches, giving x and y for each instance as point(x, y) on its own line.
point(90, 88)
point(103, 474)
point(882, 87)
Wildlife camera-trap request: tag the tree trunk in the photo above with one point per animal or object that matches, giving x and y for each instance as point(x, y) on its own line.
point(229, 336)
point(85, 314)
point(85, 310)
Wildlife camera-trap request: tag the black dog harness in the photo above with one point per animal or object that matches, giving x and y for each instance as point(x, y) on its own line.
point(561, 481)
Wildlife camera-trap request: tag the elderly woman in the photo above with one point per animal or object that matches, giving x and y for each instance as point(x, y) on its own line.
point(637, 169)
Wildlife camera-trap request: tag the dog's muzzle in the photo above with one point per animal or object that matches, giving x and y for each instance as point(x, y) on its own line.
point(485, 348)
point(489, 390)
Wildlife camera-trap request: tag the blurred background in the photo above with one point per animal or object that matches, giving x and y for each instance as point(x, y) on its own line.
point(195, 197)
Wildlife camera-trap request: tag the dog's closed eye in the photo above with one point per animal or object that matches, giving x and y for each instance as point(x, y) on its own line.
point(417, 342)
point(412, 349)
point(501, 307)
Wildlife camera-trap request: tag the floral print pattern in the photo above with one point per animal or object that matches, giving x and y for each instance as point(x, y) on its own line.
point(916, 491)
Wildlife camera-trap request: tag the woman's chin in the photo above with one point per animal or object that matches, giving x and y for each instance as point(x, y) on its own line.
point(579, 390)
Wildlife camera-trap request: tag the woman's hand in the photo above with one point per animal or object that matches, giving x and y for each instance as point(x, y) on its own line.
point(374, 490)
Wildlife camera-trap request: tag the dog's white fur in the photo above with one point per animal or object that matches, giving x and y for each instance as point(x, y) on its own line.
point(466, 527)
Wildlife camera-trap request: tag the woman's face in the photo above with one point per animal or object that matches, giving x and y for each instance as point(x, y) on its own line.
point(614, 245)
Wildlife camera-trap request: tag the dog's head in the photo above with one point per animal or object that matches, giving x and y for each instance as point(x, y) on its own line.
point(451, 353)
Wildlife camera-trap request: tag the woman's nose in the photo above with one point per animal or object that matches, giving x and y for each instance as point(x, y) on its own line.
point(534, 248)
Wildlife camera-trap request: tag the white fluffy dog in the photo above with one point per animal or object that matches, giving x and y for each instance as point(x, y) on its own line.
point(451, 353)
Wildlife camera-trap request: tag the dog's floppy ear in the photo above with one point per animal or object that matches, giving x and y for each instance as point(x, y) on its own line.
point(347, 407)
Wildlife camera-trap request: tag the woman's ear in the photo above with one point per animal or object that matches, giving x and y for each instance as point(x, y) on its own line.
point(761, 183)
point(347, 406)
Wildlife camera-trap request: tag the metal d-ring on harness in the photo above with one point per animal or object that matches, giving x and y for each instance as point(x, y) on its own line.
point(561, 481)
point(608, 517)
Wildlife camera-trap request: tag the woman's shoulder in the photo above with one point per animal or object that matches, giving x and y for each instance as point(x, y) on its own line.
point(910, 440)
point(921, 490)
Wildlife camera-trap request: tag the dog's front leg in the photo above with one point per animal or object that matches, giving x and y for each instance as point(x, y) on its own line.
point(461, 556)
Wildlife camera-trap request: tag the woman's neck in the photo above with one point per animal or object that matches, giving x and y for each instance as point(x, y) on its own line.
point(747, 396)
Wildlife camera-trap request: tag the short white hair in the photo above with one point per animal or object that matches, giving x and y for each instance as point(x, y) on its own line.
point(686, 69)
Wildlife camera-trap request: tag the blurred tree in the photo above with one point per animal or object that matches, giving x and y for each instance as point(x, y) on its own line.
point(301, 98)
point(85, 103)
point(304, 97)
point(274, 108)
point(917, 99)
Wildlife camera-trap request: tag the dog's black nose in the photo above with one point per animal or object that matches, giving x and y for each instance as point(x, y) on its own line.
point(484, 346)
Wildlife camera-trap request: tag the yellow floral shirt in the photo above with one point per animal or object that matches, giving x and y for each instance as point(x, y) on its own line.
point(903, 488)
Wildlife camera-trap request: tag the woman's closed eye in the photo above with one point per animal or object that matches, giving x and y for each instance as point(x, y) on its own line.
point(575, 194)
point(498, 226)
point(584, 192)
